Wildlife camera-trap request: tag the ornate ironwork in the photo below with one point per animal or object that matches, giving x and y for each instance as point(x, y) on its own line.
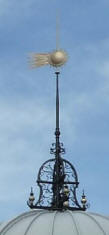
point(57, 177)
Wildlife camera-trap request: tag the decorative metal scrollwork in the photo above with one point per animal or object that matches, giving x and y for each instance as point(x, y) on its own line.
point(47, 184)
point(61, 148)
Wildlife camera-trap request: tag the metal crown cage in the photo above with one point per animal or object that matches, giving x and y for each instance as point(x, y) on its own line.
point(57, 177)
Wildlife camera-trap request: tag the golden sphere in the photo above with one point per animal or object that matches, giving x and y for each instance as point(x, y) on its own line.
point(58, 58)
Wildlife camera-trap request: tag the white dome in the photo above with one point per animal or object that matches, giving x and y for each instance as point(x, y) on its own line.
point(41, 222)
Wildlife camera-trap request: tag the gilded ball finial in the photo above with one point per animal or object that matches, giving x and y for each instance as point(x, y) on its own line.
point(58, 58)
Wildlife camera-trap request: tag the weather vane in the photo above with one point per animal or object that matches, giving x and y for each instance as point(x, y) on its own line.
point(56, 58)
point(57, 177)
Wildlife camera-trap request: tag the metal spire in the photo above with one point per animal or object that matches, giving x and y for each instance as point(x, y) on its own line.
point(57, 101)
point(58, 171)
point(57, 177)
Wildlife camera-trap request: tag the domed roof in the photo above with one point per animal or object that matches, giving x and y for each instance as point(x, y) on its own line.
point(43, 222)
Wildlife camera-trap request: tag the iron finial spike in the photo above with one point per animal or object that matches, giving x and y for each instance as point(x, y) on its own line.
point(57, 132)
point(57, 100)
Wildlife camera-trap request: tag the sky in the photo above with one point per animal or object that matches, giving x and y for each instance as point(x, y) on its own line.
point(27, 97)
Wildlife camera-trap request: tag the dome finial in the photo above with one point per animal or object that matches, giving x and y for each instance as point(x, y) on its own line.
point(57, 177)
point(31, 198)
point(84, 201)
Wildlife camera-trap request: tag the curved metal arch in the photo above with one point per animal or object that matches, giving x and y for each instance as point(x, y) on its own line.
point(41, 168)
point(39, 180)
point(53, 160)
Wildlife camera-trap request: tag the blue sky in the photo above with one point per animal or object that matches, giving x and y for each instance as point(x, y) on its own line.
point(27, 97)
